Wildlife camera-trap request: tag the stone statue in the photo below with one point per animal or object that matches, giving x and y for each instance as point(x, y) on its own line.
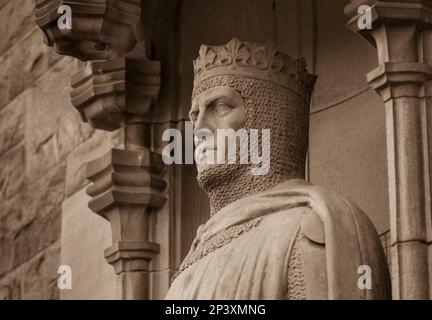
point(272, 236)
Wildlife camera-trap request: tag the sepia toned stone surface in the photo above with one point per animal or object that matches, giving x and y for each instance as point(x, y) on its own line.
point(17, 18)
point(46, 139)
point(76, 174)
point(3, 2)
point(36, 236)
point(40, 276)
point(38, 130)
point(12, 126)
point(271, 236)
point(82, 249)
point(35, 280)
point(6, 248)
point(10, 287)
point(11, 177)
point(24, 63)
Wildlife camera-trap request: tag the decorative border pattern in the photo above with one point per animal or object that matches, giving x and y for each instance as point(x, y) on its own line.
point(217, 241)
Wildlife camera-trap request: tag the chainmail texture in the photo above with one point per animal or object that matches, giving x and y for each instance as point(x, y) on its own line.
point(296, 285)
point(268, 106)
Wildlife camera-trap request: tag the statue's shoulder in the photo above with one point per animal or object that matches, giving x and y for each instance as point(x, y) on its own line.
point(312, 227)
point(326, 206)
point(333, 205)
point(342, 238)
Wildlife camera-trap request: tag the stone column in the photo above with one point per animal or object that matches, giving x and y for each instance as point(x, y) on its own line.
point(117, 89)
point(401, 79)
point(127, 183)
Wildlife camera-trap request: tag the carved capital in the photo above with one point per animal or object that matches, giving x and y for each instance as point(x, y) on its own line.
point(396, 26)
point(126, 177)
point(397, 80)
point(387, 11)
point(127, 256)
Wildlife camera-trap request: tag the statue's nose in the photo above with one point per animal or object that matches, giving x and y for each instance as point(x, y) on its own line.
point(198, 140)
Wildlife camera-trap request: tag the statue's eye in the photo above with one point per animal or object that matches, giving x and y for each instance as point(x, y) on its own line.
point(222, 108)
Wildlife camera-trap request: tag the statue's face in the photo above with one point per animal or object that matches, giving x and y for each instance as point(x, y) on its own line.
point(216, 108)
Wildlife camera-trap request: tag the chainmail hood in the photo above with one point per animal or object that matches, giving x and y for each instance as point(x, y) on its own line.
point(276, 91)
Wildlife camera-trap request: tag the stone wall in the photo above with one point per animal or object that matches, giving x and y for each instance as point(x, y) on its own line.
point(40, 132)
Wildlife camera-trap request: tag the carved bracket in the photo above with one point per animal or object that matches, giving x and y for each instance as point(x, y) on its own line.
point(123, 177)
point(107, 93)
point(100, 29)
point(127, 186)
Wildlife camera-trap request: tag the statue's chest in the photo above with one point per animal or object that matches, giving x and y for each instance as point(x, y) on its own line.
point(245, 261)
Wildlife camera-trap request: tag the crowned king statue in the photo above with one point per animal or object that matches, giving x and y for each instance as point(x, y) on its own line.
point(272, 236)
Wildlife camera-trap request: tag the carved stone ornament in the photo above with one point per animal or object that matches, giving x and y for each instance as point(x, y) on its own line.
point(101, 29)
point(106, 94)
point(261, 61)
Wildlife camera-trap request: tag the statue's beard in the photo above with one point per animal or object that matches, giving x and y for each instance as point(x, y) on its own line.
point(221, 182)
point(226, 183)
point(229, 182)
point(216, 175)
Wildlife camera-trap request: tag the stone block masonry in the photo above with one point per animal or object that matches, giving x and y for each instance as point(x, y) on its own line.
point(39, 131)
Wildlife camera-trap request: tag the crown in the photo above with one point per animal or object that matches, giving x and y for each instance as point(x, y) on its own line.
point(256, 60)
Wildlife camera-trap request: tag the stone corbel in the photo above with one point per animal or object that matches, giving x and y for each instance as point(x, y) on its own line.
point(117, 89)
point(401, 33)
point(101, 30)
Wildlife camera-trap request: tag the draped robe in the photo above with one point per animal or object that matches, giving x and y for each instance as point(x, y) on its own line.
point(295, 241)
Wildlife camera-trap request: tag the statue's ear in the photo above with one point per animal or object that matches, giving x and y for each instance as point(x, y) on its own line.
point(313, 228)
